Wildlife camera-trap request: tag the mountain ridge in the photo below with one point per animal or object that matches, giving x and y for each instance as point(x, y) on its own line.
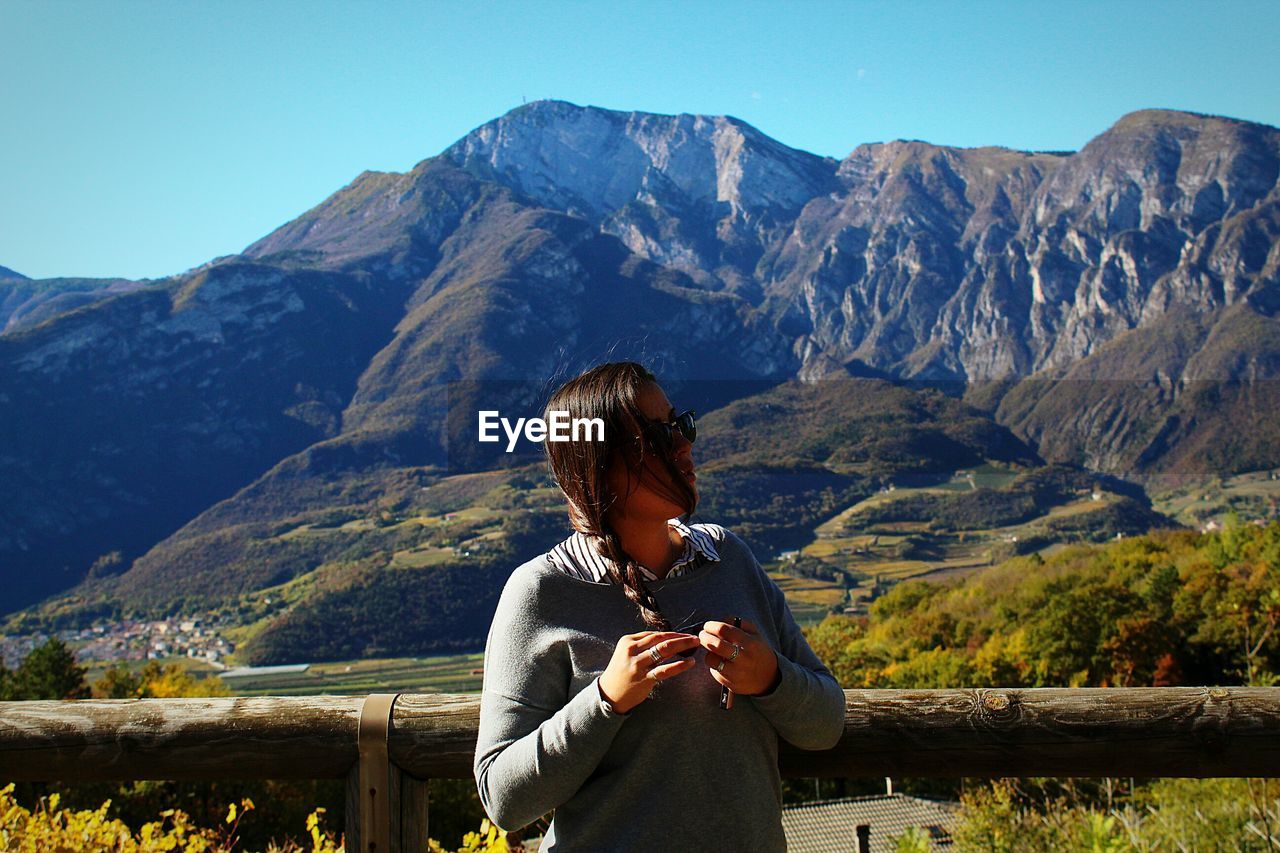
point(347, 340)
point(1073, 276)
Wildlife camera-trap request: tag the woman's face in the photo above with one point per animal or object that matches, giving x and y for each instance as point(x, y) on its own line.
point(642, 497)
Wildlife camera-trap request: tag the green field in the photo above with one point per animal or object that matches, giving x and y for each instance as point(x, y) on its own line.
point(892, 551)
point(810, 600)
point(445, 674)
point(1251, 495)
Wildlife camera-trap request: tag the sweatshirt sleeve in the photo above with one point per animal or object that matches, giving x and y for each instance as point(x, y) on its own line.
point(537, 744)
point(807, 706)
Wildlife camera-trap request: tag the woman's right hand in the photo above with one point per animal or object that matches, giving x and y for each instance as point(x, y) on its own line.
point(633, 672)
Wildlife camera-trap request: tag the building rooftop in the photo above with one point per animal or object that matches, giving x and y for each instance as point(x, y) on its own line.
point(833, 824)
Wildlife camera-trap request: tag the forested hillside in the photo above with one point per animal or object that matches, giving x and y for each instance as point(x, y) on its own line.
point(1173, 607)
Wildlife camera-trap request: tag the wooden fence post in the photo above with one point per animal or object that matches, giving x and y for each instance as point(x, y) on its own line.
point(409, 827)
point(386, 807)
point(409, 823)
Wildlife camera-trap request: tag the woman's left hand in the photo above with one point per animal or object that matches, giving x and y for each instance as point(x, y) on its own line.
point(752, 670)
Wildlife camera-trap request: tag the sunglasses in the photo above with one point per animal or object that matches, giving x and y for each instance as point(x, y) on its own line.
point(663, 433)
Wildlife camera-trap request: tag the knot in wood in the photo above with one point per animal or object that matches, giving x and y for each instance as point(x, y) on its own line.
point(998, 706)
point(996, 702)
point(1218, 693)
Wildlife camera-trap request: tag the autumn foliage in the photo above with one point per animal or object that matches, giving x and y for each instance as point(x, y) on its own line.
point(1168, 608)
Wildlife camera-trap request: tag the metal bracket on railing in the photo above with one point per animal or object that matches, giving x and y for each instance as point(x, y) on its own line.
point(375, 772)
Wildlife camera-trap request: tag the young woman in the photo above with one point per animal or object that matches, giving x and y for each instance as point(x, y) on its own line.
point(610, 656)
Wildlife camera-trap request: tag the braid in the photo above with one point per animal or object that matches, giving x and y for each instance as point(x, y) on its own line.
point(626, 572)
point(611, 392)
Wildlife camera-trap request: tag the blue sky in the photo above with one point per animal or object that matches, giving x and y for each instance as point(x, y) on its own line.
point(145, 138)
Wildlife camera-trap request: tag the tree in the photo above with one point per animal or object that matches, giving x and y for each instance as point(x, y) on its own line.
point(118, 683)
point(7, 685)
point(173, 681)
point(49, 672)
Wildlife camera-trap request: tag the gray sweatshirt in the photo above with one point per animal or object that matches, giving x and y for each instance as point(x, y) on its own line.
point(676, 772)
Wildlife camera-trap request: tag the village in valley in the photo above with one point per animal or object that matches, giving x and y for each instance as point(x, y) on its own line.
point(131, 639)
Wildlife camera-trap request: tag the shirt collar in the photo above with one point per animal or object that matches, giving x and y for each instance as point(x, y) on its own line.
point(577, 557)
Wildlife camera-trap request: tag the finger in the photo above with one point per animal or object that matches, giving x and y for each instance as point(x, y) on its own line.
point(656, 637)
point(719, 646)
point(664, 648)
point(650, 638)
point(673, 640)
point(636, 639)
point(667, 648)
point(750, 627)
point(670, 670)
point(724, 677)
point(660, 652)
point(725, 631)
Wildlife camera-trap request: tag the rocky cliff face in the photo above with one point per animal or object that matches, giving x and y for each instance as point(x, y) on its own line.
point(987, 264)
point(1163, 210)
point(906, 268)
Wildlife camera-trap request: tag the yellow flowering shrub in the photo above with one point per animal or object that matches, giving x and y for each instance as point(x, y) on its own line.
point(489, 839)
point(48, 829)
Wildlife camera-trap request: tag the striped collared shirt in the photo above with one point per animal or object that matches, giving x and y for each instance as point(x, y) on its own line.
point(576, 555)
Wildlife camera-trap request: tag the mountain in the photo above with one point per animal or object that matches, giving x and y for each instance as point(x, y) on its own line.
point(496, 295)
point(26, 302)
point(986, 263)
point(339, 361)
point(920, 260)
point(127, 417)
point(1172, 404)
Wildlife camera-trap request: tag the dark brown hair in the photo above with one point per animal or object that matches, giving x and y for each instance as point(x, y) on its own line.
point(610, 392)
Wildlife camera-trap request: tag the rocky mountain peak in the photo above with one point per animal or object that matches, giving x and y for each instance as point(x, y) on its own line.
point(554, 151)
point(1192, 169)
point(698, 193)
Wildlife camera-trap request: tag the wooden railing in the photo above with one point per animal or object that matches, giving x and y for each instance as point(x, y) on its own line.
point(388, 746)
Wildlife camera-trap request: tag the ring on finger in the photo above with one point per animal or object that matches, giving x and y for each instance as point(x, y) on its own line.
point(653, 653)
point(720, 667)
point(737, 649)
